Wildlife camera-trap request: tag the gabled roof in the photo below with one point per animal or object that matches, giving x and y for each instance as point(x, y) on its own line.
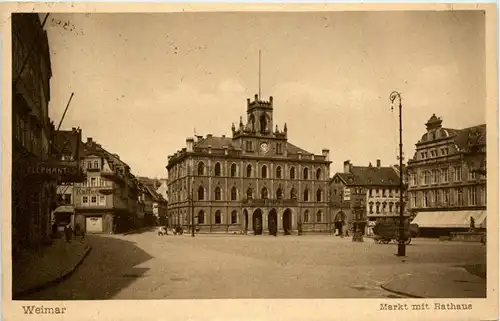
point(215, 142)
point(97, 149)
point(370, 176)
point(65, 142)
point(219, 143)
point(459, 136)
point(292, 149)
point(150, 182)
point(462, 136)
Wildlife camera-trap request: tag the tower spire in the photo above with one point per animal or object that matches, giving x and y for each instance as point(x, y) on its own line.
point(259, 71)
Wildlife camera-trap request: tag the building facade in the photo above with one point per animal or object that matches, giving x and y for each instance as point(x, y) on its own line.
point(445, 190)
point(255, 181)
point(378, 185)
point(347, 206)
point(108, 200)
point(33, 194)
point(155, 209)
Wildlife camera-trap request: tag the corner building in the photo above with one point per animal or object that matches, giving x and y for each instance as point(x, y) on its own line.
point(255, 181)
point(445, 190)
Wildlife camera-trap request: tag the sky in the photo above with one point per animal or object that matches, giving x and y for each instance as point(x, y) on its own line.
point(143, 83)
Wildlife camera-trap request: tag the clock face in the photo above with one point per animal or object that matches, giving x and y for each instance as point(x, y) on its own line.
point(264, 147)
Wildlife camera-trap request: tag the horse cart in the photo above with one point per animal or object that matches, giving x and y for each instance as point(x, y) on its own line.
point(389, 231)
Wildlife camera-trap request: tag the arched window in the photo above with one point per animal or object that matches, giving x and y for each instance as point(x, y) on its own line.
point(278, 172)
point(279, 193)
point(263, 192)
point(306, 195)
point(318, 174)
point(234, 194)
point(234, 217)
point(293, 193)
point(292, 173)
point(201, 168)
point(249, 193)
point(319, 217)
point(217, 169)
point(319, 195)
point(201, 193)
point(263, 124)
point(377, 205)
point(306, 216)
point(306, 173)
point(233, 170)
point(201, 217)
point(218, 217)
point(249, 170)
point(218, 193)
point(264, 171)
point(252, 123)
point(371, 207)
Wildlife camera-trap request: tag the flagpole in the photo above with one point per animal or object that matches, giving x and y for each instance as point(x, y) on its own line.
point(259, 72)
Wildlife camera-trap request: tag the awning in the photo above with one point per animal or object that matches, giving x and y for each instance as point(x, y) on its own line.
point(450, 219)
point(64, 209)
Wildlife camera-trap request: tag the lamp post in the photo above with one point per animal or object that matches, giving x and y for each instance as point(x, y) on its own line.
point(401, 242)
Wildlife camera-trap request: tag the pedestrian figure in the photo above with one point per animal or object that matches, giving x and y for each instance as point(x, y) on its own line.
point(54, 229)
point(472, 224)
point(68, 232)
point(79, 231)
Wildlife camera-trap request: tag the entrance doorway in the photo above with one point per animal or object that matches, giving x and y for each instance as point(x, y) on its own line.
point(272, 222)
point(245, 220)
point(257, 221)
point(340, 222)
point(287, 221)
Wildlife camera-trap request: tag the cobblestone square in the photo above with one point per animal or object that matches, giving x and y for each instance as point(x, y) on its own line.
point(146, 266)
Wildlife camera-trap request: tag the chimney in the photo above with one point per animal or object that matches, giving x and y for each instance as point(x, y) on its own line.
point(326, 153)
point(378, 163)
point(347, 166)
point(256, 97)
point(199, 138)
point(209, 135)
point(189, 144)
point(223, 136)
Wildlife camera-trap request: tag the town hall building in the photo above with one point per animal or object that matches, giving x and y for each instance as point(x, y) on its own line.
point(254, 182)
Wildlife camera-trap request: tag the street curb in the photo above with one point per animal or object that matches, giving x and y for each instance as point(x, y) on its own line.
point(401, 292)
point(45, 285)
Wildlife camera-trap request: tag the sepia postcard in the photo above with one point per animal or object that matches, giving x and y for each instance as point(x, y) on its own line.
point(205, 161)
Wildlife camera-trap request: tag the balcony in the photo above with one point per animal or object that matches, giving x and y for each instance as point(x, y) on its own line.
point(269, 202)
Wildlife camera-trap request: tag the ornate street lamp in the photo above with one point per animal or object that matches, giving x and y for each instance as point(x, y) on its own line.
point(401, 241)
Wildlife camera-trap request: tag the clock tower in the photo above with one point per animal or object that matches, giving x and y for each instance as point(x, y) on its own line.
point(260, 116)
point(257, 135)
